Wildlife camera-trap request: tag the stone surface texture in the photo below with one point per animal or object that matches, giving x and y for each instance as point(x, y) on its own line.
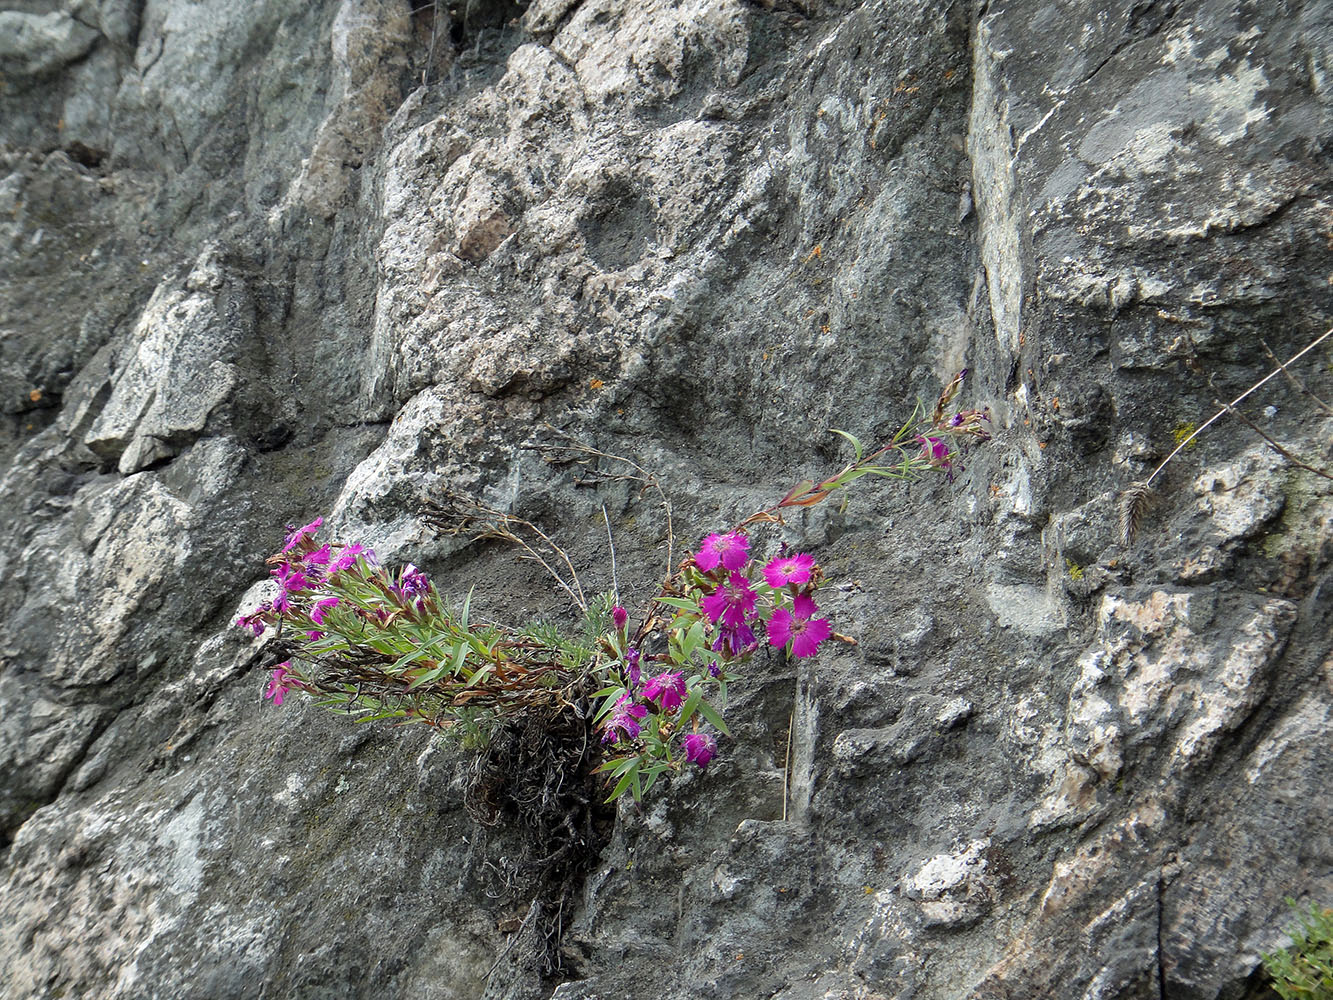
point(265, 260)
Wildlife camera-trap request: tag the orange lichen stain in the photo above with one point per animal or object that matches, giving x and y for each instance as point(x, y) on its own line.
point(1022, 339)
point(1041, 444)
point(816, 254)
point(35, 396)
point(1055, 403)
point(825, 328)
point(595, 383)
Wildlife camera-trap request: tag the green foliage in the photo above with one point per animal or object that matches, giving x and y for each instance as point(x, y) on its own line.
point(374, 644)
point(1304, 971)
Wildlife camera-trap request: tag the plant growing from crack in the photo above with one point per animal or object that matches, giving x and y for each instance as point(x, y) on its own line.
point(380, 644)
point(559, 715)
point(1304, 971)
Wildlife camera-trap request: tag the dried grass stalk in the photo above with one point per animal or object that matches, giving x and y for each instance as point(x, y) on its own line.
point(1134, 505)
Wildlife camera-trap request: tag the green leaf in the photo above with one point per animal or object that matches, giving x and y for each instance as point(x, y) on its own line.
point(430, 675)
point(692, 640)
point(631, 776)
point(855, 443)
point(679, 602)
point(413, 653)
point(691, 704)
point(710, 713)
point(480, 674)
point(460, 655)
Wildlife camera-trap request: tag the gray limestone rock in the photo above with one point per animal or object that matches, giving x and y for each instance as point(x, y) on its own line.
point(265, 261)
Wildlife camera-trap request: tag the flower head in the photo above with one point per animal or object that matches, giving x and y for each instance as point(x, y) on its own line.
point(734, 640)
point(732, 602)
point(619, 616)
point(282, 682)
point(345, 559)
point(729, 550)
point(699, 748)
point(320, 557)
point(295, 536)
point(291, 579)
point(412, 580)
point(254, 621)
point(625, 720)
point(667, 689)
point(936, 451)
point(969, 422)
point(799, 627)
point(322, 608)
point(789, 569)
point(632, 668)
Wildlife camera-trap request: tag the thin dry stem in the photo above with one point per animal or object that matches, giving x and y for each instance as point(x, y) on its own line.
point(1225, 406)
point(496, 524)
point(644, 477)
point(1294, 380)
point(1271, 443)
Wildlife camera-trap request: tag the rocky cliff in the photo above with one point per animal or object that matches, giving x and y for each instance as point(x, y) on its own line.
point(266, 260)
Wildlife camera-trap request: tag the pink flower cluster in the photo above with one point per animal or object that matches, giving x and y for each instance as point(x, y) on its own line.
point(735, 610)
point(733, 606)
point(304, 574)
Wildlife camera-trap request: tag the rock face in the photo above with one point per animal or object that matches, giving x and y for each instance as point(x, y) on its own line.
point(266, 260)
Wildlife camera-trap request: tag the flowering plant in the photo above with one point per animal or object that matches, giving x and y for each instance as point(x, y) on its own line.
point(375, 644)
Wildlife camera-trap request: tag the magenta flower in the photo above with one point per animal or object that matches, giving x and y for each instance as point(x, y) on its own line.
point(314, 635)
point(936, 452)
point(789, 569)
point(320, 557)
point(625, 720)
point(730, 550)
point(346, 559)
point(254, 621)
point(412, 580)
point(282, 682)
point(322, 608)
point(734, 640)
point(632, 665)
point(619, 616)
point(732, 602)
point(291, 580)
point(667, 689)
point(699, 749)
point(799, 627)
point(297, 536)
